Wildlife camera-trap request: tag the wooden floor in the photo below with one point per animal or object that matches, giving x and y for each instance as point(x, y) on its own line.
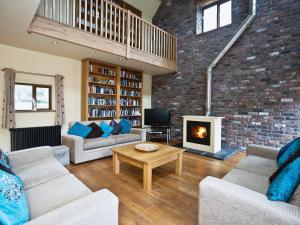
point(173, 199)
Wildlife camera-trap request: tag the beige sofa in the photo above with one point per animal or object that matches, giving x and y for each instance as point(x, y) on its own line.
point(82, 150)
point(56, 197)
point(240, 197)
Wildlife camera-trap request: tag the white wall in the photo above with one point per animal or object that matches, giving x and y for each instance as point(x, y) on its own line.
point(31, 61)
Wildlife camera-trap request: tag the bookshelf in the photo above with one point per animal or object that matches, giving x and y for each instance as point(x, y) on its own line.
point(111, 91)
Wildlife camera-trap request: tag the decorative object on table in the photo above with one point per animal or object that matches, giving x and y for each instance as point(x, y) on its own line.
point(126, 126)
point(116, 127)
point(79, 129)
point(13, 208)
point(106, 129)
point(96, 131)
point(147, 147)
point(4, 163)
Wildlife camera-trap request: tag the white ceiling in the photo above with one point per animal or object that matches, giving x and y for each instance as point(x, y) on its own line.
point(148, 7)
point(15, 19)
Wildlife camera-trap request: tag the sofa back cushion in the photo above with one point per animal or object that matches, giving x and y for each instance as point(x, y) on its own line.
point(287, 151)
point(13, 203)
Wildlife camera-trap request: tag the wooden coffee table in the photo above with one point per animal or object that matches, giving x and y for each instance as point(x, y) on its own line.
point(147, 160)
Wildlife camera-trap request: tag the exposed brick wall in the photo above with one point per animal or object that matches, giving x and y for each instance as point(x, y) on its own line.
point(256, 86)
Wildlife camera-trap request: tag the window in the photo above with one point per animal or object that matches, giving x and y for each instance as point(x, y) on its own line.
point(32, 97)
point(213, 16)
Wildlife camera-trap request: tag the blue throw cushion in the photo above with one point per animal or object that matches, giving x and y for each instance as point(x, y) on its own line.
point(287, 151)
point(4, 162)
point(117, 128)
point(79, 129)
point(126, 126)
point(285, 183)
point(106, 129)
point(13, 205)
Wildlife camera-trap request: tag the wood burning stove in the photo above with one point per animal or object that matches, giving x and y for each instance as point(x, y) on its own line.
point(202, 133)
point(198, 132)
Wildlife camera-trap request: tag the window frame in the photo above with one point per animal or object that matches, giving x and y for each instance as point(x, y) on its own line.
point(34, 87)
point(216, 3)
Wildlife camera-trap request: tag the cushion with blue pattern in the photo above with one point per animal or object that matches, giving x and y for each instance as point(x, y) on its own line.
point(13, 204)
point(126, 126)
point(285, 180)
point(287, 151)
point(4, 162)
point(117, 128)
point(80, 130)
point(106, 129)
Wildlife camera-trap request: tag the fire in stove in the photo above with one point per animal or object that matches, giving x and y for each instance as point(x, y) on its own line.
point(199, 132)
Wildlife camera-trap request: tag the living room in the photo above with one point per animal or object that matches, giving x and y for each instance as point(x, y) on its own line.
point(150, 112)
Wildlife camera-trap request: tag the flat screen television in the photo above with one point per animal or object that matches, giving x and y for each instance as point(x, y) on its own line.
point(157, 117)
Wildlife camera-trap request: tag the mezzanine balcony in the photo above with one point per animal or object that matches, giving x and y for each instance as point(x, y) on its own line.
point(104, 26)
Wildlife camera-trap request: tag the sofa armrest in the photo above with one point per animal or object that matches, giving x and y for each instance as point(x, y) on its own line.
point(225, 203)
point(75, 143)
point(262, 151)
point(140, 131)
point(22, 157)
point(98, 208)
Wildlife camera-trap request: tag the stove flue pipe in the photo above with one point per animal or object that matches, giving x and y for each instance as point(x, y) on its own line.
point(245, 24)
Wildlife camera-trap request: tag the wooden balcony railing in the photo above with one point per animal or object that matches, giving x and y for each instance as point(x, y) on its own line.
point(110, 21)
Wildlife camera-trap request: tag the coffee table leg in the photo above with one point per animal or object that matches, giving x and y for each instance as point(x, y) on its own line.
point(179, 164)
point(147, 179)
point(116, 164)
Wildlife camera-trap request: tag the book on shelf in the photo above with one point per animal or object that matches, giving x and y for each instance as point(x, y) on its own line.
point(129, 102)
point(96, 89)
point(95, 80)
point(130, 112)
point(130, 93)
point(94, 112)
point(130, 75)
point(102, 70)
point(133, 84)
point(101, 101)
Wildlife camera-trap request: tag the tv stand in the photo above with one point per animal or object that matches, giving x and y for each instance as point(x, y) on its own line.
point(158, 133)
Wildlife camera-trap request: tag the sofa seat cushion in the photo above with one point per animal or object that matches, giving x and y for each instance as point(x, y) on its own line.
point(258, 165)
point(53, 194)
point(33, 174)
point(126, 138)
point(248, 180)
point(98, 143)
